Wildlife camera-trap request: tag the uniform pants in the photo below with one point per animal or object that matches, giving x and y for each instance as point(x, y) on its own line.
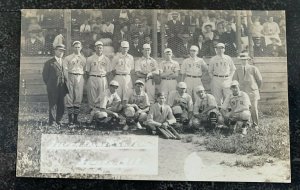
point(95, 86)
point(168, 86)
point(75, 85)
point(125, 85)
point(150, 89)
point(56, 103)
point(220, 88)
point(191, 84)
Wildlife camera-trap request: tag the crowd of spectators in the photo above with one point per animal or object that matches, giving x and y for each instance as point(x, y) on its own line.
point(42, 29)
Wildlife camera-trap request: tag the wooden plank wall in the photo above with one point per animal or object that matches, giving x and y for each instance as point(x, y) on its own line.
point(273, 70)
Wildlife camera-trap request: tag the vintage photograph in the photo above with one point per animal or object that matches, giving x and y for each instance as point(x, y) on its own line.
point(145, 94)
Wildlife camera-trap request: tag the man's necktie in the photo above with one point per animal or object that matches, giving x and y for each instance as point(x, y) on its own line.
point(244, 71)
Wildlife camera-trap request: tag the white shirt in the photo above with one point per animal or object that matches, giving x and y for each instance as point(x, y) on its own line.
point(109, 28)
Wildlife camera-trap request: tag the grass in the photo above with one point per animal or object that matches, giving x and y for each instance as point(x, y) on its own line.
point(271, 139)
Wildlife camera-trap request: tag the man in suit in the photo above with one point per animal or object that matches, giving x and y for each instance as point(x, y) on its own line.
point(54, 76)
point(175, 26)
point(183, 47)
point(135, 46)
point(250, 81)
point(120, 36)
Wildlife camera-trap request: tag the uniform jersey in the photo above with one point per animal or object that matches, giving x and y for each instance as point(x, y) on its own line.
point(193, 67)
point(98, 65)
point(146, 65)
point(175, 99)
point(107, 99)
point(202, 104)
point(141, 100)
point(123, 64)
point(238, 103)
point(169, 66)
point(221, 66)
point(75, 63)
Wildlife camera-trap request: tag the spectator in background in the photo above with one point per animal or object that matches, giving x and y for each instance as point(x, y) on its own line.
point(270, 30)
point(190, 22)
point(146, 27)
point(200, 44)
point(183, 49)
point(33, 46)
point(208, 33)
point(119, 36)
point(258, 47)
point(33, 24)
point(244, 33)
point(141, 33)
point(219, 30)
point(97, 25)
point(124, 14)
point(108, 29)
point(228, 38)
point(95, 14)
point(256, 28)
point(87, 49)
point(59, 39)
point(174, 25)
point(211, 21)
point(135, 46)
point(274, 49)
point(85, 31)
point(134, 28)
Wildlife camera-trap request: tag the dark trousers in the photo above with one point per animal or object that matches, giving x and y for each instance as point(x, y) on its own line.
point(56, 104)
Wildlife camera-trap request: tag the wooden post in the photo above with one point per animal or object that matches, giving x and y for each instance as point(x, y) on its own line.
point(249, 23)
point(162, 32)
point(238, 30)
point(154, 33)
point(67, 25)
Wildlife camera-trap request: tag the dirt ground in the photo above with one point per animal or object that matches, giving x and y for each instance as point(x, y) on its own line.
point(177, 160)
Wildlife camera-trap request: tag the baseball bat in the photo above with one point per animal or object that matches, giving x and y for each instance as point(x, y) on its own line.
point(171, 134)
point(176, 134)
point(163, 132)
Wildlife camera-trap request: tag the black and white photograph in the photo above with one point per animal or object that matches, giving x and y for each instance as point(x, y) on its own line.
point(153, 94)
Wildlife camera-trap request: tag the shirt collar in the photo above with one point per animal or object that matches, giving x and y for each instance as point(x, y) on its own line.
point(142, 93)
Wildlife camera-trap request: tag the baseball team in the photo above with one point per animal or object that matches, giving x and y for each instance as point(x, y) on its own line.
point(163, 97)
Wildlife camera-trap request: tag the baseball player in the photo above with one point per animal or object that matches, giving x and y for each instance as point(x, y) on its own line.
point(239, 105)
point(160, 114)
point(181, 104)
point(192, 69)
point(221, 69)
point(108, 105)
point(206, 113)
point(137, 105)
point(145, 68)
point(250, 81)
point(75, 65)
point(170, 70)
point(97, 67)
point(122, 65)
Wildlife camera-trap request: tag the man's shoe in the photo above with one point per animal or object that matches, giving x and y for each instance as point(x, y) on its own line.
point(125, 128)
point(138, 125)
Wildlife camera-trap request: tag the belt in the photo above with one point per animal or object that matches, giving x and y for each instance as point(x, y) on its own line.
point(194, 76)
point(122, 74)
point(222, 76)
point(98, 76)
point(75, 74)
point(168, 78)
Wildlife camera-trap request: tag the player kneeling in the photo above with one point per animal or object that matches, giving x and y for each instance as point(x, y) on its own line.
point(238, 118)
point(136, 106)
point(160, 119)
point(108, 105)
point(206, 113)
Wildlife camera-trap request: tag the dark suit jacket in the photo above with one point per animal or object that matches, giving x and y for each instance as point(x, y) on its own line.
point(135, 51)
point(117, 38)
point(54, 77)
point(174, 28)
point(183, 51)
point(201, 50)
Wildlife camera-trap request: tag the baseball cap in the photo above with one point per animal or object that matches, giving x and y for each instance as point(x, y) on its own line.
point(139, 82)
point(195, 48)
point(76, 42)
point(181, 85)
point(220, 45)
point(167, 50)
point(99, 43)
point(124, 44)
point(114, 83)
point(244, 56)
point(146, 46)
point(100, 115)
point(60, 46)
point(199, 88)
point(234, 83)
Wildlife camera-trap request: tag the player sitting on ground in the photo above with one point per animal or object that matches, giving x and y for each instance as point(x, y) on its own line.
point(136, 106)
point(239, 105)
point(206, 113)
point(160, 119)
point(181, 104)
point(108, 104)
